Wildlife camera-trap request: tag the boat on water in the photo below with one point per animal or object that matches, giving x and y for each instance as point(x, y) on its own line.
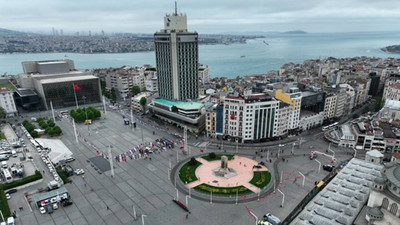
point(265, 42)
point(65, 56)
point(242, 56)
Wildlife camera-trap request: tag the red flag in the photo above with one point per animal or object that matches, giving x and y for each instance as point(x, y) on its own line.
point(77, 88)
point(201, 150)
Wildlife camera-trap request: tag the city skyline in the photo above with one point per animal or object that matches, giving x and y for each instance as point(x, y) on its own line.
point(204, 17)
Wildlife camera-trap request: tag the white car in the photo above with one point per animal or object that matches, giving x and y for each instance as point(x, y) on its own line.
point(55, 206)
point(42, 210)
point(281, 145)
point(8, 196)
point(79, 171)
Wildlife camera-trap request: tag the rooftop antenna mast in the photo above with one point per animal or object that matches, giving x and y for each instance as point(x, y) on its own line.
point(176, 9)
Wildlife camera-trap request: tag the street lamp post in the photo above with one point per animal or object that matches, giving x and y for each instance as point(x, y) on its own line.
point(187, 203)
point(2, 215)
point(84, 105)
point(355, 152)
point(319, 166)
point(143, 216)
point(283, 197)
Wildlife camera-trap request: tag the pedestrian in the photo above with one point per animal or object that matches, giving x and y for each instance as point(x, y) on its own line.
point(108, 208)
point(20, 208)
point(44, 172)
point(187, 215)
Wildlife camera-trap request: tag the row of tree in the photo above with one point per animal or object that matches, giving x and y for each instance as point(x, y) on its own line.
point(49, 127)
point(81, 114)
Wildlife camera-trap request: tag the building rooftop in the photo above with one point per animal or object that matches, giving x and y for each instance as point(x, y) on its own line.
point(392, 104)
point(178, 104)
point(24, 92)
point(50, 194)
point(375, 153)
point(342, 199)
point(9, 86)
point(67, 79)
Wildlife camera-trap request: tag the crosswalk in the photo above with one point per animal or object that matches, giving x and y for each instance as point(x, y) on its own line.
point(201, 144)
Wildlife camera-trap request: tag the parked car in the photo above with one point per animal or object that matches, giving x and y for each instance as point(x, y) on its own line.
point(70, 159)
point(281, 145)
point(55, 206)
point(328, 167)
point(79, 171)
point(11, 191)
point(42, 210)
point(67, 203)
point(8, 196)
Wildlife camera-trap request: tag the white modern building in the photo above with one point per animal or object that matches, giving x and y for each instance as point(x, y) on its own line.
point(284, 112)
point(7, 101)
point(204, 74)
point(251, 118)
point(293, 98)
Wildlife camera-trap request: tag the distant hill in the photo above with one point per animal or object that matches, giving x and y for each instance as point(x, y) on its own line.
point(9, 32)
point(392, 49)
point(295, 32)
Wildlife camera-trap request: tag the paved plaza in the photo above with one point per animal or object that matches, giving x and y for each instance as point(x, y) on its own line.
point(143, 186)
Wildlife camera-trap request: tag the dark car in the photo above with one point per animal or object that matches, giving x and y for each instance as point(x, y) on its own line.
point(261, 163)
point(328, 168)
point(11, 191)
point(66, 203)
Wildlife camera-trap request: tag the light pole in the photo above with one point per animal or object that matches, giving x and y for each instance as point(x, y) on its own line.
point(84, 105)
point(329, 148)
point(2, 215)
point(304, 177)
point(187, 203)
point(319, 166)
point(355, 152)
point(143, 216)
point(111, 161)
point(283, 197)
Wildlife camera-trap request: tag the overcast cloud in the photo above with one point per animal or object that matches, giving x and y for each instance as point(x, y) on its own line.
point(204, 16)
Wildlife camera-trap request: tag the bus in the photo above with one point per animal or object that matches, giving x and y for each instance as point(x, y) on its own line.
point(333, 125)
point(7, 176)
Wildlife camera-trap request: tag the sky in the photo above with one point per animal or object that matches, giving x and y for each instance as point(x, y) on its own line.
point(204, 16)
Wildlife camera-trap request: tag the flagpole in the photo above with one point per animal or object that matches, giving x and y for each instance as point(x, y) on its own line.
point(76, 135)
point(111, 161)
point(52, 111)
point(76, 100)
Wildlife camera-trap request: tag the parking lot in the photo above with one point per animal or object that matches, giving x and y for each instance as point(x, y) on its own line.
point(143, 186)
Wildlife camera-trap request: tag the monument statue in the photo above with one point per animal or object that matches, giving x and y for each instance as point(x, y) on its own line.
point(224, 171)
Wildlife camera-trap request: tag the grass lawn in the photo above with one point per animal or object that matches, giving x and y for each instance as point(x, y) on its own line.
point(8, 85)
point(2, 136)
point(188, 172)
point(205, 188)
point(261, 179)
point(218, 157)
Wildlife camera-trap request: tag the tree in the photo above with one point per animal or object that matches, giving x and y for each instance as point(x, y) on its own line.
point(143, 102)
point(34, 134)
point(135, 90)
point(174, 109)
point(2, 113)
point(192, 161)
point(212, 155)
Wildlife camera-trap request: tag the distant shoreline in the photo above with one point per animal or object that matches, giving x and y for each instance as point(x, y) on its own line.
point(394, 49)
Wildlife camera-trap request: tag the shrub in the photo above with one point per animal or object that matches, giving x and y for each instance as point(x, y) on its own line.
point(25, 180)
point(192, 161)
point(63, 175)
point(34, 134)
point(212, 155)
point(51, 123)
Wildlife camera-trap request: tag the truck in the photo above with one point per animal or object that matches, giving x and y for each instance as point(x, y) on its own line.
point(271, 219)
point(52, 185)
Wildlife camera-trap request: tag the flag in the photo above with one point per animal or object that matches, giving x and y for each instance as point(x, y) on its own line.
point(77, 88)
point(201, 150)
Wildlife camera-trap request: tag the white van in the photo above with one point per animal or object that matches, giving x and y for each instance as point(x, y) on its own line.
point(10, 221)
point(14, 153)
point(4, 165)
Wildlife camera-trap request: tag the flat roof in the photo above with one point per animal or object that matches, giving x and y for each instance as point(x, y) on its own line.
point(178, 104)
point(50, 194)
point(25, 92)
point(58, 150)
point(343, 198)
point(392, 104)
point(67, 79)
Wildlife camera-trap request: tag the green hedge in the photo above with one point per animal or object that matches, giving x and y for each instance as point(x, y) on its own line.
point(63, 175)
point(261, 179)
point(5, 209)
point(188, 172)
point(205, 188)
point(2, 136)
point(25, 180)
point(217, 157)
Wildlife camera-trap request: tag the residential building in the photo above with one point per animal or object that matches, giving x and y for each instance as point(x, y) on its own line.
point(251, 118)
point(177, 61)
point(392, 88)
point(7, 101)
point(283, 118)
point(390, 111)
point(312, 109)
point(204, 74)
point(330, 106)
point(293, 98)
point(215, 120)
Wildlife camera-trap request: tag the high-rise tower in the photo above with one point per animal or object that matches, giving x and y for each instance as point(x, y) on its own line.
point(177, 59)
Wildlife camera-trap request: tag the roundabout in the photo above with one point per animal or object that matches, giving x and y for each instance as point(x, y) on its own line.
point(224, 175)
